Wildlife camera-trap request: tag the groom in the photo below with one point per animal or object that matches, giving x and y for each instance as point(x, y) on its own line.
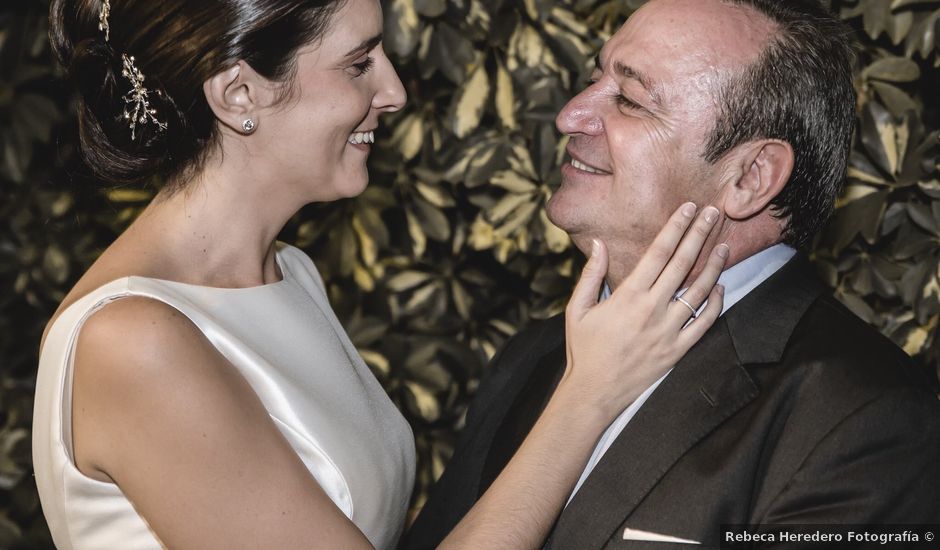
point(790, 410)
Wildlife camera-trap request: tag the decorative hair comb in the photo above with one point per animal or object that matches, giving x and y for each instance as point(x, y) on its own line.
point(137, 109)
point(138, 99)
point(103, 20)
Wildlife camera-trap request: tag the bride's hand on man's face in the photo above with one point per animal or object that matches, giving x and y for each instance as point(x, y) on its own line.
point(617, 348)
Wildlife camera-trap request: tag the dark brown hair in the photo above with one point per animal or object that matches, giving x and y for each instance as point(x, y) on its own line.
point(177, 45)
point(800, 90)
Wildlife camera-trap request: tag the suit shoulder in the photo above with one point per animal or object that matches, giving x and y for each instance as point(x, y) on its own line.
point(840, 389)
point(525, 348)
point(538, 337)
point(534, 341)
point(835, 330)
point(833, 348)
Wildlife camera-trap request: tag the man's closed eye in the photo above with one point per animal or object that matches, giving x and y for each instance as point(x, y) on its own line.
point(627, 103)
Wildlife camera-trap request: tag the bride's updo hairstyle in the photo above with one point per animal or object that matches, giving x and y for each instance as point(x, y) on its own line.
point(176, 45)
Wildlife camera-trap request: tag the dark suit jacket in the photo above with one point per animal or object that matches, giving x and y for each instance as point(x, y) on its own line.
point(789, 410)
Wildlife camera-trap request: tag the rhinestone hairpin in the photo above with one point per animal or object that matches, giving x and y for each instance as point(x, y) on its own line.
point(103, 16)
point(137, 108)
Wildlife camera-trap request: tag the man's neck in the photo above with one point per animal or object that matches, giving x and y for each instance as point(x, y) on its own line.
point(742, 277)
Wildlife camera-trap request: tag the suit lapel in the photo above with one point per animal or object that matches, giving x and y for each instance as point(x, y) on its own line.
point(706, 387)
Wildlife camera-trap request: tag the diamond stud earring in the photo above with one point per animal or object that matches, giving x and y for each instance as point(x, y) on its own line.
point(248, 126)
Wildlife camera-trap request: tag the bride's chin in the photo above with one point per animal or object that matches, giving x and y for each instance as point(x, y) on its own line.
point(358, 187)
point(351, 189)
point(341, 185)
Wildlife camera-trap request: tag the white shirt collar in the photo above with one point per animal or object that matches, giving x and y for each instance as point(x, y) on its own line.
point(744, 276)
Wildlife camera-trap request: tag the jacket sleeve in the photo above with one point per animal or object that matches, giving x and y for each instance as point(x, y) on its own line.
point(878, 465)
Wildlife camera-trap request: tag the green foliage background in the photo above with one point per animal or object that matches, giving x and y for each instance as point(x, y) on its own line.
point(448, 252)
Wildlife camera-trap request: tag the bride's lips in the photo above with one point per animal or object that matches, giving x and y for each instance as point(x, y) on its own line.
point(362, 140)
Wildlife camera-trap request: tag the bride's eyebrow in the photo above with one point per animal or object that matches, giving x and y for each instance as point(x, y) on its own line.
point(365, 46)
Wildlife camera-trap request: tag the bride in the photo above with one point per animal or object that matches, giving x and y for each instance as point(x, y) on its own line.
point(195, 389)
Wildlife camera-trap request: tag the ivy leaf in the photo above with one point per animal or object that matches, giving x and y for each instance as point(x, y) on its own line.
point(468, 107)
point(431, 8)
point(402, 27)
point(505, 98)
point(893, 69)
point(895, 99)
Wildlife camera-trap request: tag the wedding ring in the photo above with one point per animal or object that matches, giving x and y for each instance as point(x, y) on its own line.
point(688, 305)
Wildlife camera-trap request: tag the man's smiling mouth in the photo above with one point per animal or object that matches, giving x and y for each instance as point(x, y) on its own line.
point(585, 168)
point(582, 166)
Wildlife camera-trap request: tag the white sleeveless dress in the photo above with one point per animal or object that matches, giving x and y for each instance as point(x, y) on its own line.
point(288, 344)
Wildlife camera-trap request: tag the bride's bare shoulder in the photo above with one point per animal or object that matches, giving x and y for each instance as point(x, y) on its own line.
point(116, 262)
point(129, 349)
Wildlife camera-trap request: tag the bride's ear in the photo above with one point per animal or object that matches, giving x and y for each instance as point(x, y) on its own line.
point(765, 168)
point(238, 94)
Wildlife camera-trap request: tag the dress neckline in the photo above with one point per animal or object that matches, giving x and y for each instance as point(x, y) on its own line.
point(278, 259)
point(95, 295)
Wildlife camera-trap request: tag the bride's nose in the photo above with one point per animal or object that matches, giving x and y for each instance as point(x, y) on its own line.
point(391, 95)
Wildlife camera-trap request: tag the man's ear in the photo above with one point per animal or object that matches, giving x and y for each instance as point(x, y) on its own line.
point(765, 167)
point(238, 94)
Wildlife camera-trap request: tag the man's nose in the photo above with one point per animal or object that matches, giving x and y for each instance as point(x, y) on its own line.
point(580, 116)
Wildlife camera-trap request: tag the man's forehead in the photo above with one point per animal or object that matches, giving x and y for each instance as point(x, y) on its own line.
point(679, 37)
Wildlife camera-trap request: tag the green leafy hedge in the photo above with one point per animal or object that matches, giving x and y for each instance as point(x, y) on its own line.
point(449, 252)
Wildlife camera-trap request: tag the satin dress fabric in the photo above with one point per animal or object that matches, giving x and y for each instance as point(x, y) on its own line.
point(288, 344)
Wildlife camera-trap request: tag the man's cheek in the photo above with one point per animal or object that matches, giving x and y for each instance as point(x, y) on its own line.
point(661, 138)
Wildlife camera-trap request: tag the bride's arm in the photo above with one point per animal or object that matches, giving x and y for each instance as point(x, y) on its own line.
point(615, 350)
point(160, 412)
